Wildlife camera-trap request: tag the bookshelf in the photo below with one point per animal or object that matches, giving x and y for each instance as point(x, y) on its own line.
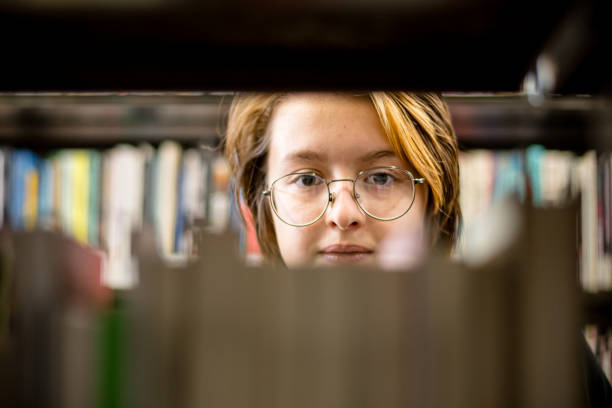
point(99, 120)
point(574, 123)
point(51, 121)
point(102, 63)
point(488, 121)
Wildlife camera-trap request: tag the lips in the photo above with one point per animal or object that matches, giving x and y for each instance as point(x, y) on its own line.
point(345, 253)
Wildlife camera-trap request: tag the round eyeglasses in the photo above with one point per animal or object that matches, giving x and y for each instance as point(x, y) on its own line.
point(385, 193)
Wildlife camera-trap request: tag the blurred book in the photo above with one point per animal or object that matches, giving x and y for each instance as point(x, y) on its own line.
point(167, 178)
point(22, 189)
point(101, 198)
point(548, 179)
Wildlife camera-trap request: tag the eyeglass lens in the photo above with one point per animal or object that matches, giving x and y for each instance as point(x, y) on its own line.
point(300, 199)
point(383, 193)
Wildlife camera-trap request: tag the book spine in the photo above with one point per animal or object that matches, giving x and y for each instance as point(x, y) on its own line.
point(80, 195)
point(179, 224)
point(57, 191)
point(66, 195)
point(605, 244)
point(590, 269)
point(93, 220)
point(45, 194)
point(30, 205)
point(166, 189)
point(150, 192)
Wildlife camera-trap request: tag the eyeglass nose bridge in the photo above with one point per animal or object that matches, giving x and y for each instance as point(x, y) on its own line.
point(331, 195)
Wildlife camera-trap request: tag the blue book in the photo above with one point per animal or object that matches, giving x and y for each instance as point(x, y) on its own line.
point(534, 155)
point(179, 225)
point(5, 156)
point(45, 194)
point(23, 179)
point(509, 176)
point(518, 174)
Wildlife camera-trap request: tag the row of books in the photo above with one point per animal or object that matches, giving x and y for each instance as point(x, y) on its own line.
point(547, 178)
point(599, 340)
point(100, 198)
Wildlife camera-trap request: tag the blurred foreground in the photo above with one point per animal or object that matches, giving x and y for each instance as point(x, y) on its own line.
point(218, 334)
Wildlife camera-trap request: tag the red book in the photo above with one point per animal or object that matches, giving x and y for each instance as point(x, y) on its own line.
point(252, 250)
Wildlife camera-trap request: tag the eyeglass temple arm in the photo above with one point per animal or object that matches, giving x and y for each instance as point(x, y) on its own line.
point(266, 193)
point(419, 180)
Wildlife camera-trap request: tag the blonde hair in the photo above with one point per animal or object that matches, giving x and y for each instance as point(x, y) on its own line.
point(417, 125)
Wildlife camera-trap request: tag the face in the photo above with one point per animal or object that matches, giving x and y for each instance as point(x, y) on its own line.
point(336, 137)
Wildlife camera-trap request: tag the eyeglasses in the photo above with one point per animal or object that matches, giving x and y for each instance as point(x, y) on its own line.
point(384, 193)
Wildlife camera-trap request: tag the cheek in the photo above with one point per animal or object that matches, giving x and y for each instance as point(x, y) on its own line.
point(413, 223)
point(296, 245)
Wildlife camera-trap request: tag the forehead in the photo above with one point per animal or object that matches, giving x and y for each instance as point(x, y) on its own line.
point(341, 127)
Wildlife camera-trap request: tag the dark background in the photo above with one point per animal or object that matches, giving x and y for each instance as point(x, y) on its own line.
point(442, 45)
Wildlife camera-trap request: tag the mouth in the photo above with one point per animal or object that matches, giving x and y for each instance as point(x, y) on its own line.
point(345, 254)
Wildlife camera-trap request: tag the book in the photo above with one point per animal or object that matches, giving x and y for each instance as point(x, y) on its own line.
point(122, 212)
point(93, 221)
point(192, 200)
point(80, 178)
point(167, 172)
point(220, 197)
point(66, 185)
point(46, 211)
point(588, 207)
point(150, 163)
point(180, 213)
point(23, 190)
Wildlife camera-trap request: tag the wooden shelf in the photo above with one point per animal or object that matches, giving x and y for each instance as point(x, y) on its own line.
point(98, 120)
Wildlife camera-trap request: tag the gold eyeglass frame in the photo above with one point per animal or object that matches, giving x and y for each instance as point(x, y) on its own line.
point(415, 181)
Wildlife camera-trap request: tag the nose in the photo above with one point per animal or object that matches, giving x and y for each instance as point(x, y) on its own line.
point(343, 212)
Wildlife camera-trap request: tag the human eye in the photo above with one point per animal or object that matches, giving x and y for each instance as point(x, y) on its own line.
point(380, 178)
point(306, 180)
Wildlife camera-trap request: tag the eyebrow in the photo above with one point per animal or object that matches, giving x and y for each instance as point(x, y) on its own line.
point(379, 154)
point(310, 155)
point(307, 155)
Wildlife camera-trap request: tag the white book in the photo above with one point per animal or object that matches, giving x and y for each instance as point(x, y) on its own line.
point(169, 156)
point(220, 203)
point(477, 179)
point(194, 173)
point(556, 170)
point(123, 175)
